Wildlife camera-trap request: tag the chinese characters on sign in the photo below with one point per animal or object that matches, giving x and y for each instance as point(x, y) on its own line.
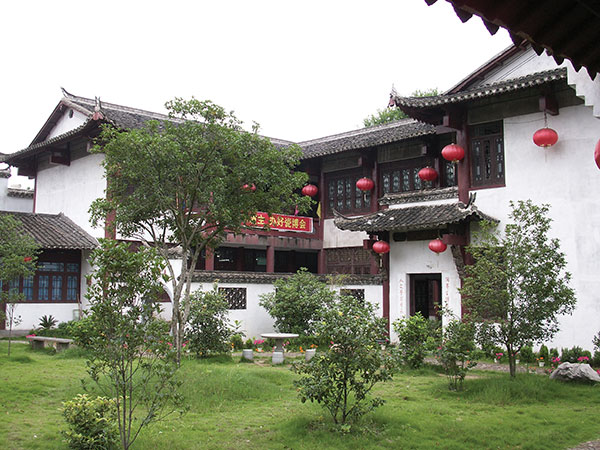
point(282, 222)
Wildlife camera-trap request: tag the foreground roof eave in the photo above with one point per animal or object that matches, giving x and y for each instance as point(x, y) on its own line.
point(565, 29)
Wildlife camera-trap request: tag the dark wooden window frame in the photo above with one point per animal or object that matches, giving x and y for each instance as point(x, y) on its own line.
point(64, 257)
point(487, 155)
point(350, 193)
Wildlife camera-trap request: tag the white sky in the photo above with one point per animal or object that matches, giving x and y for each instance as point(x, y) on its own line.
point(303, 69)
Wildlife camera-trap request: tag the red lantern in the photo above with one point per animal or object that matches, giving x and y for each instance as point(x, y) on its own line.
point(249, 187)
point(381, 247)
point(365, 184)
point(428, 174)
point(597, 154)
point(310, 190)
point(453, 152)
point(27, 259)
point(437, 246)
point(545, 137)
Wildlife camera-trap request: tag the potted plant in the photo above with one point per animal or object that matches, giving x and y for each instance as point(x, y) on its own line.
point(541, 361)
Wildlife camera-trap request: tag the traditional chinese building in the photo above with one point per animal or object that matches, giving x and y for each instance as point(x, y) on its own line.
point(492, 115)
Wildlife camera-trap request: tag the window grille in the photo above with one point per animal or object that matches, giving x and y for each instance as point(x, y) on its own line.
point(235, 297)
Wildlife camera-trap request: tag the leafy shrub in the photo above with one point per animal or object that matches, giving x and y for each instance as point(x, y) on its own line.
point(455, 351)
point(527, 354)
point(553, 353)
point(236, 342)
point(208, 330)
point(92, 423)
point(249, 343)
point(543, 353)
point(595, 362)
point(298, 302)
point(341, 378)
point(414, 339)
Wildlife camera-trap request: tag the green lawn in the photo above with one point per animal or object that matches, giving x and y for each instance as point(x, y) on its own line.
point(247, 406)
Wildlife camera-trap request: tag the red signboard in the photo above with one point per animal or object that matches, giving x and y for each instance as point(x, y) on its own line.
point(282, 222)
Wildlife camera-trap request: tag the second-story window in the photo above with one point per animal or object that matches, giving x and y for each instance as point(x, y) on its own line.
point(403, 176)
point(487, 155)
point(344, 196)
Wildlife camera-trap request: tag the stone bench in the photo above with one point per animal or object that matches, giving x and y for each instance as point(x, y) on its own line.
point(59, 344)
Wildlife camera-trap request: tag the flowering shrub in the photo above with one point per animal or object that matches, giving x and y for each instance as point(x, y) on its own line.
point(583, 359)
point(499, 356)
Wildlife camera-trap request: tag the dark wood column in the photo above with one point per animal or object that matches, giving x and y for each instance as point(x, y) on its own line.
point(209, 262)
point(270, 258)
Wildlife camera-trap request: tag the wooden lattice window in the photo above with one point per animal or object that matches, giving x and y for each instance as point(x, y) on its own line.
point(487, 155)
point(235, 297)
point(358, 294)
point(352, 260)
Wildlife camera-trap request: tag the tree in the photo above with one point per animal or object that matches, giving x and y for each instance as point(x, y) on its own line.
point(18, 255)
point(518, 281)
point(132, 359)
point(298, 302)
point(182, 183)
point(342, 378)
point(391, 114)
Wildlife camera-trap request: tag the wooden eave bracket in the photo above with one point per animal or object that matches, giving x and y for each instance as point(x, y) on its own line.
point(548, 104)
point(60, 156)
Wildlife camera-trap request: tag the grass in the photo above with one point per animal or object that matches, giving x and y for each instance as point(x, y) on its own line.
point(249, 406)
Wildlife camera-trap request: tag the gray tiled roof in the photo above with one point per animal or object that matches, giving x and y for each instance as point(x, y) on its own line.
point(366, 137)
point(413, 218)
point(122, 116)
point(54, 231)
point(19, 193)
point(488, 90)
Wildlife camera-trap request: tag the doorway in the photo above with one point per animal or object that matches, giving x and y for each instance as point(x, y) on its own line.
point(425, 294)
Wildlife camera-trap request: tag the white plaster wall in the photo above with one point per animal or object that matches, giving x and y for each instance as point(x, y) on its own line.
point(566, 177)
point(334, 237)
point(32, 312)
point(255, 319)
point(585, 88)
point(71, 190)
point(66, 123)
point(13, 203)
point(373, 294)
point(414, 257)
point(522, 64)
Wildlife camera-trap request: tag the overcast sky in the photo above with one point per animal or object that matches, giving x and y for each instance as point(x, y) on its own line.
point(302, 70)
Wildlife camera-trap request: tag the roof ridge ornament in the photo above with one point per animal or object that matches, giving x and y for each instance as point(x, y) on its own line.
point(97, 110)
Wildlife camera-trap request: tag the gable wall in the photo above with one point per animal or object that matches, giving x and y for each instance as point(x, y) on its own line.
point(565, 177)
